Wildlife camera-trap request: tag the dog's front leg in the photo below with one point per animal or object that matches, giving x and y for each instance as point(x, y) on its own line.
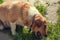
point(13, 28)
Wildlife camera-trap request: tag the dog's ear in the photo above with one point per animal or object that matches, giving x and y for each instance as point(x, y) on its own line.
point(45, 24)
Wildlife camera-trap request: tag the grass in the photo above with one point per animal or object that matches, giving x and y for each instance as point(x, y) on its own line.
point(1, 1)
point(58, 16)
point(52, 29)
point(42, 9)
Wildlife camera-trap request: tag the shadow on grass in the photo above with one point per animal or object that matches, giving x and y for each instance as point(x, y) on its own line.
point(22, 34)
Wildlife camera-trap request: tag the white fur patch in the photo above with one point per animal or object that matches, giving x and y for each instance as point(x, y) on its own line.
point(32, 11)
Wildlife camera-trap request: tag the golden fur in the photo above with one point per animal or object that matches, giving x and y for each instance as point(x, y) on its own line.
point(18, 13)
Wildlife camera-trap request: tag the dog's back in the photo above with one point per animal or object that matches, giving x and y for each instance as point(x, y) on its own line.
point(13, 12)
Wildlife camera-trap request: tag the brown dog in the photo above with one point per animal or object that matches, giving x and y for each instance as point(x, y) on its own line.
point(24, 14)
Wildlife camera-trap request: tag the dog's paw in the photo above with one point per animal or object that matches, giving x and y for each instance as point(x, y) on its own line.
point(13, 33)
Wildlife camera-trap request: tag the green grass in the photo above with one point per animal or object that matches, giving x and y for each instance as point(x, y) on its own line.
point(42, 9)
point(1, 1)
point(52, 29)
point(58, 16)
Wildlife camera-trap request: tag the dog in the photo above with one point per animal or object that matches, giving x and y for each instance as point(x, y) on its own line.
point(24, 14)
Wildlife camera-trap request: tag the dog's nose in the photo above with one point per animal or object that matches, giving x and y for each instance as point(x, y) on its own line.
point(45, 35)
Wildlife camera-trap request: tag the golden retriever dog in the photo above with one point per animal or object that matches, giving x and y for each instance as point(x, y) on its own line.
point(24, 14)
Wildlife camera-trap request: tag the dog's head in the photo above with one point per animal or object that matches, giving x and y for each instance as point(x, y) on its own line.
point(39, 26)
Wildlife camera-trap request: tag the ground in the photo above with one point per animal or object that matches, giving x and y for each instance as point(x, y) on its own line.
point(52, 11)
point(4, 36)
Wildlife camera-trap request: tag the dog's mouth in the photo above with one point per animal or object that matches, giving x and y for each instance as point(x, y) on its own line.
point(38, 35)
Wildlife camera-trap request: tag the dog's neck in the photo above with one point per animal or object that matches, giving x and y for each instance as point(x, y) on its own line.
point(32, 11)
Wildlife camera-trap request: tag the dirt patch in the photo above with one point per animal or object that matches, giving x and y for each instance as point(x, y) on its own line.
point(52, 11)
